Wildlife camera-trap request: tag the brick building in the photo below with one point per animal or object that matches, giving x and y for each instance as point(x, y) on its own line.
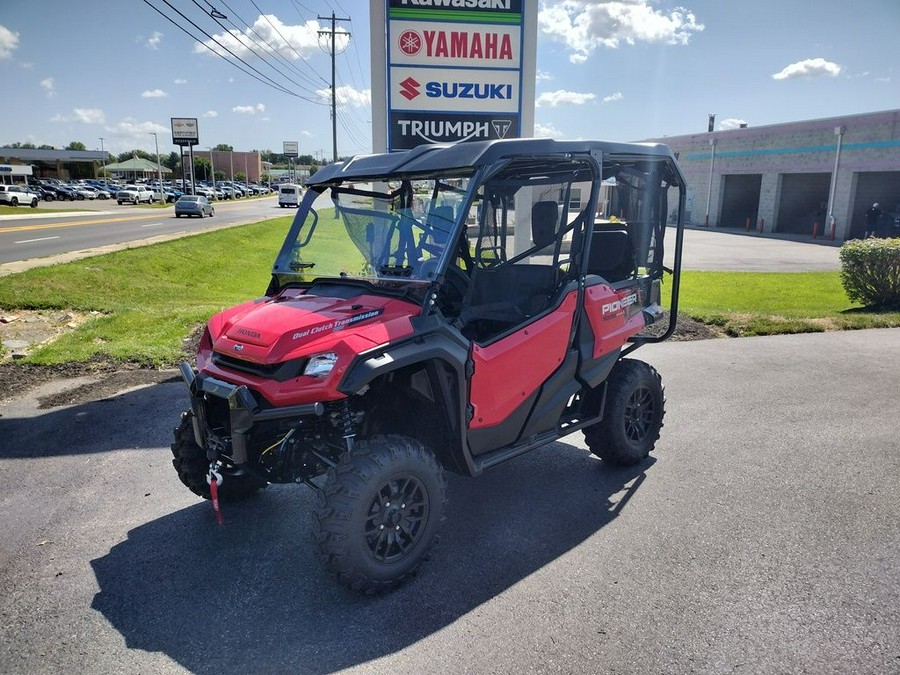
point(786, 176)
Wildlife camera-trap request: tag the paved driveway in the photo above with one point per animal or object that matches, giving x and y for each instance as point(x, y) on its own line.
point(762, 538)
point(736, 251)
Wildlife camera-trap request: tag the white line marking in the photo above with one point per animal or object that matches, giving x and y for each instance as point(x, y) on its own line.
point(28, 241)
point(151, 224)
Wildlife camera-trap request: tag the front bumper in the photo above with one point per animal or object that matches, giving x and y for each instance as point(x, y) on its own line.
point(243, 412)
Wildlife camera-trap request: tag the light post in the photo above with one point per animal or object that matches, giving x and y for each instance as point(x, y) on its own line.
point(712, 163)
point(103, 159)
point(162, 197)
point(212, 170)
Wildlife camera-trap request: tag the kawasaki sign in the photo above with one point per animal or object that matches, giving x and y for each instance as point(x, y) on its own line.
point(454, 71)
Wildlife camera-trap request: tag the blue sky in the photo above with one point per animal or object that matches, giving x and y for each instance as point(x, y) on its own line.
point(623, 70)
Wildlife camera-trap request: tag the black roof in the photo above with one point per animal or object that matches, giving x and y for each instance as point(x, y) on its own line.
point(438, 157)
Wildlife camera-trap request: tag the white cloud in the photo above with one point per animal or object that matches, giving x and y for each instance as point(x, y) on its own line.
point(180, 80)
point(731, 123)
point(817, 67)
point(347, 96)
point(292, 42)
point(210, 113)
point(618, 96)
point(553, 99)
point(130, 134)
point(89, 115)
point(9, 42)
point(83, 115)
point(306, 134)
point(154, 40)
point(49, 86)
point(154, 93)
point(542, 76)
point(249, 109)
point(583, 25)
point(546, 131)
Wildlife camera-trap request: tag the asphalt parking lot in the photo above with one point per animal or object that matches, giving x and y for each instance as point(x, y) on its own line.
point(761, 538)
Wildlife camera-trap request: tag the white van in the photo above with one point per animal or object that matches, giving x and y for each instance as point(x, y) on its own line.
point(289, 195)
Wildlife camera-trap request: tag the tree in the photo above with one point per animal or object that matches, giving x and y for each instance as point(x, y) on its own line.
point(240, 176)
point(76, 145)
point(46, 147)
point(172, 161)
point(224, 147)
point(201, 164)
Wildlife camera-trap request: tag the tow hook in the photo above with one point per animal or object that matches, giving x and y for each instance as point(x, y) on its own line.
point(214, 478)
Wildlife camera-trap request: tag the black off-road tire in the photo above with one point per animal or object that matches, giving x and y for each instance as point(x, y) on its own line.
point(379, 512)
point(635, 407)
point(190, 461)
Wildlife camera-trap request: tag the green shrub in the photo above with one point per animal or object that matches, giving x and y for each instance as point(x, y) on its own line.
point(870, 272)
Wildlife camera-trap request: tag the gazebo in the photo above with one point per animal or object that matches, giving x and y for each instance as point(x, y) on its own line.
point(135, 168)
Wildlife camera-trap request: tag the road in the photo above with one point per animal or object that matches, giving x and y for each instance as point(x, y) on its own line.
point(31, 236)
point(762, 538)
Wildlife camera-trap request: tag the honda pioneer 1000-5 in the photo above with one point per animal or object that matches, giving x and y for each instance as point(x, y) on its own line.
point(442, 309)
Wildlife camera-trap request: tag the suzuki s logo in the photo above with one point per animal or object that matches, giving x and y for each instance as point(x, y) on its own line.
point(410, 42)
point(409, 89)
point(239, 348)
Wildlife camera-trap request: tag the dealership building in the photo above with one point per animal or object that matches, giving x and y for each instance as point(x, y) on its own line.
point(790, 178)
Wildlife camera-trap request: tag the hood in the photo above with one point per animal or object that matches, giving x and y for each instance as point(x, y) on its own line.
point(271, 329)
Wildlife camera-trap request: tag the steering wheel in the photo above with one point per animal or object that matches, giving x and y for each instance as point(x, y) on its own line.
point(454, 287)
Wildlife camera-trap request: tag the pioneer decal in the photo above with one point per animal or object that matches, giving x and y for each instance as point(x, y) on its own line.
point(617, 306)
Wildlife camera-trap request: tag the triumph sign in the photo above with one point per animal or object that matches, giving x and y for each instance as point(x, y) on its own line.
point(410, 129)
point(454, 71)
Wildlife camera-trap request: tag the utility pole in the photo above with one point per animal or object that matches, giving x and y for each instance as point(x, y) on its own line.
point(331, 34)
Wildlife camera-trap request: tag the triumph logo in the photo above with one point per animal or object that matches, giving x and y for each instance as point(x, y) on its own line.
point(501, 127)
point(409, 89)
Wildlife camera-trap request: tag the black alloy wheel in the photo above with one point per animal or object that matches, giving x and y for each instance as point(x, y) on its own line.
point(379, 512)
point(633, 416)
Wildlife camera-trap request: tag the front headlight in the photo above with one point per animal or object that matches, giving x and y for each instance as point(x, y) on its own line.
point(320, 365)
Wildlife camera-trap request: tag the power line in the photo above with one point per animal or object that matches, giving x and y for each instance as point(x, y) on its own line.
point(260, 57)
point(270, 83)
point(275, 28)
point(261, 77)
point(274, 51)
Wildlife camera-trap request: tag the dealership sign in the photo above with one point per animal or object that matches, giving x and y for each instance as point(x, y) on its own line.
point(185, 131)
point(454, 71)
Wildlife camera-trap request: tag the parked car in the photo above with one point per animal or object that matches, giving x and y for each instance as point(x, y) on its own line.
point(13, 195)
point(65, 192)
point(172, 195)
point(134, 194)
point(193, 205)
point(84, 191)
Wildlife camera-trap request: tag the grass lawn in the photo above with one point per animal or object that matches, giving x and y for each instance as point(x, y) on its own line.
point(148, 299)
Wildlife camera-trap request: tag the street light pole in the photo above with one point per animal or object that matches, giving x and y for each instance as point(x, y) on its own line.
point(162, 197)
point(212, 169)
point(103, 159)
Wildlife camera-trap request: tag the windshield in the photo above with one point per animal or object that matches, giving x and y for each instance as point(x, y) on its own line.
point(378, 232)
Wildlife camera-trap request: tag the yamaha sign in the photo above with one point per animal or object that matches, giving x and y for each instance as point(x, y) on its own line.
point(454, 71)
